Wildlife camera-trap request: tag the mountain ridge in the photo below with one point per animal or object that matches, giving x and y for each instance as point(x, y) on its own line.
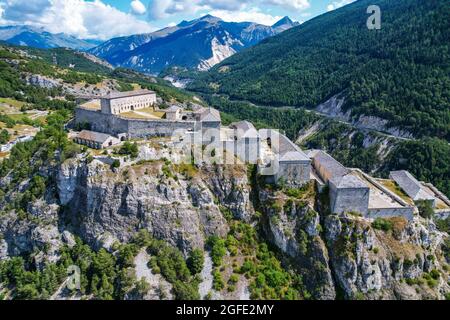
point(40, 38)
point(196, 44)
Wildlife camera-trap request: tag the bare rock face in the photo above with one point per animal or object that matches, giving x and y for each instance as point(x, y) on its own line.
point(294, 227)
point(173, 208)
point(403, 263)
point(35, 233)
point(333, 108)
point(42, 81)
point(3, 250)
point(230, 186)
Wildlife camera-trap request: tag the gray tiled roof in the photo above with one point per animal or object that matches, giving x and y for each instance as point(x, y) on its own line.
point(410, 185)
point(331, 165)
point(247, 129)
point(210, 115)
point(116, 95)
point(283, 146)
point(348, 181)
point(93, 136)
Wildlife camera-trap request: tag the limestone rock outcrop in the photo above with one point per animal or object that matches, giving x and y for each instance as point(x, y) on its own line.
point(181, 211)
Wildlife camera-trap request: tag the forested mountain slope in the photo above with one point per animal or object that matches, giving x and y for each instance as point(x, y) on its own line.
point(400, 73)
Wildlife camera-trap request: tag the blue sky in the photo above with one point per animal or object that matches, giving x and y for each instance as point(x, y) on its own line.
point(104, 19)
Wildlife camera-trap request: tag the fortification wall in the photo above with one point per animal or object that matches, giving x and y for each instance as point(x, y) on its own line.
point(246, 149)
point(135, 128)
point(349, 200)
point(406, 212)
point(147, 128)
point(294, 173)
point(101, 122)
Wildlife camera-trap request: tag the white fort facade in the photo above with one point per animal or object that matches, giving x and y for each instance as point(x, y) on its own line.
point(121, 102)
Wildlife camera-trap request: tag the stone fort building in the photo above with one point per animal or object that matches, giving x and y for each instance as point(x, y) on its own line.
point(129, 115)
point(120, 102)
point(134, 114)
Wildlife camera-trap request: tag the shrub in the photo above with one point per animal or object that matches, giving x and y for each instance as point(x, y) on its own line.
point(4, 136)
point(195, 261)
point(218, 283)
point(130, 149)
point(425, 209)
point(218, 250)
point(185, 291)
point(435, 274)
point(382, 224)
point(115, 164)
point(234, 278)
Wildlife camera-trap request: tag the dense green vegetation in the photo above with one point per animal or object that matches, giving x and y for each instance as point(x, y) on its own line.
point(66, 57)
point(382, 224)
point(164, 90)
point(4, 136)
point(170, 262)
point(428, 160)
point(50, 146)
point(130, 149)
point(104, 275)
point(31, 284)
point(291, 121)
point(12, 86)
point(268, 278)
point(348, 149)
point(36, 66)
point(400, 73)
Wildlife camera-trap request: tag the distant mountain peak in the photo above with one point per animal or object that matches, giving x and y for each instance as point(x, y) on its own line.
point(285, 21)
point(209, 17)
point(197, 44)
point(38, 37)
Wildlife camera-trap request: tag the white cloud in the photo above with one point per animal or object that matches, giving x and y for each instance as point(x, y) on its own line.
point(159, 9)
point(165, 8)
point(83, 19)
point(137, 7)
point(251, 15)
point(290, 4)
point(337, 4)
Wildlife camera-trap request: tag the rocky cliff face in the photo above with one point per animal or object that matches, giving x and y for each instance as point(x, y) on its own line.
point(333, 108)
point(105, 206)
point(336, 256)
point(350, 258)
point(406, 263)
point(294, 227)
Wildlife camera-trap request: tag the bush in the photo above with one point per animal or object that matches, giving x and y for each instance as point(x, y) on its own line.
point(425, 209)
point(185, 291)
point(218, 283)
point(382, 224)
point(130, 149)
point(115, 164)
point(195, 261)
point(4, 136)
point(218, 250)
